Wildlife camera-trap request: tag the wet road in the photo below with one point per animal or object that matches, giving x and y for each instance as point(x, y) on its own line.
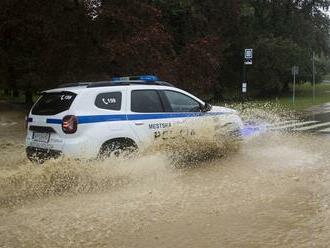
point(273, 192)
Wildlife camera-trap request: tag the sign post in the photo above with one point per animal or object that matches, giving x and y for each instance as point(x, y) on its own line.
point(248, 60)
point(248, 56)
point(313, 65)
point(295, 72)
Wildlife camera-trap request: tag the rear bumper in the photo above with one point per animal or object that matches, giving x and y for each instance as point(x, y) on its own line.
point(40, 155)
point(76, 147)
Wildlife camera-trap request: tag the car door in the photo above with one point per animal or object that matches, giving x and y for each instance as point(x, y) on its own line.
point(147, 115)
point(205, 123)
point(180, 102)
point(186, 109)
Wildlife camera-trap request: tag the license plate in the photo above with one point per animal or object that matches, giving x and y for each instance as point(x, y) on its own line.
point(41, 137)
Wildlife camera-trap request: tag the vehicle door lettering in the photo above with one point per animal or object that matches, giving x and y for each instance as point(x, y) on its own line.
point(157, 134)
point(171, 134)
point(155, 126)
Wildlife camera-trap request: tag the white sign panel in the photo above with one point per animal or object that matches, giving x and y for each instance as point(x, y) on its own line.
point(244, 87)
point(248, 54)
point(295, 70)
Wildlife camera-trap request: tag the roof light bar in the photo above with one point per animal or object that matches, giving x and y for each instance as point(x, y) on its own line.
point(148, 78)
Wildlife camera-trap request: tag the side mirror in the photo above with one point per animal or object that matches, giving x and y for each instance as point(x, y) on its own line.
point(206, 107)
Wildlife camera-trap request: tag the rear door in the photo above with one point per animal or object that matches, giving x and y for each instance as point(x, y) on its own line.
point(147, 115)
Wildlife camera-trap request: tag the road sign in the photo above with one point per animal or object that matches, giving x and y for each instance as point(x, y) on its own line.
point(248, 56)
point(248, 53)
point(244, 87)
point(295, 70)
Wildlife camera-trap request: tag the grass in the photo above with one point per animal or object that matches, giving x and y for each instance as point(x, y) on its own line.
point(303, 100)
point(304, 96)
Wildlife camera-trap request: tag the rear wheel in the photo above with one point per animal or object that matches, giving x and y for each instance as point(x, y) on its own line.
point(40, 156)
point(117, 148)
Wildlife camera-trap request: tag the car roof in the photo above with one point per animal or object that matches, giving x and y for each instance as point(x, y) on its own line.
point(114, 83)
point(79, 88)
point(83, 86)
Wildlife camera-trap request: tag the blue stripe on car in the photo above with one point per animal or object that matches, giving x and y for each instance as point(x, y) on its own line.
point(54, 121)
point(133, 117)
point(101, 118)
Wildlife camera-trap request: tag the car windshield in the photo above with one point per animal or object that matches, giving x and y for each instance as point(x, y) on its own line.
point(53, 103)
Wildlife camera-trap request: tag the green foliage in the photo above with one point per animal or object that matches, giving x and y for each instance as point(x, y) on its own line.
point(274, 58)
point(304, 96)
point(284, 33)
point(197, 44)
point(43, 41)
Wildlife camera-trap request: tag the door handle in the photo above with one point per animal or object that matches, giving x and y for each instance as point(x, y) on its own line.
point(139, 123)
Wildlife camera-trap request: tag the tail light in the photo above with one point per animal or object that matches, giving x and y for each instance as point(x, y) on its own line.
point(69, 124)
point(26, 122)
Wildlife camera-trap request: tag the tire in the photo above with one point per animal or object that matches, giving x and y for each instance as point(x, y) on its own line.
point(116, 149)
point(40, 156)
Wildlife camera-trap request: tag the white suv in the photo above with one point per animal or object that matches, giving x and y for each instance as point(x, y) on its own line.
point(89, 120)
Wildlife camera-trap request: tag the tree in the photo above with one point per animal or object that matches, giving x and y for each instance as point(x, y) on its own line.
point(195, 44)
point(43, 42)
point(284, 33)
point(132, 40)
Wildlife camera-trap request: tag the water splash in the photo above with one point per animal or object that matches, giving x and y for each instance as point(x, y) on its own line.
point(272, 192)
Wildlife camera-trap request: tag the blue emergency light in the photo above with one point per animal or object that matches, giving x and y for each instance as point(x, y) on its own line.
point(147, 78)
point(253, 129)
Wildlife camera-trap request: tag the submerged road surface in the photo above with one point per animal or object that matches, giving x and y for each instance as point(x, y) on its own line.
point(273, 192)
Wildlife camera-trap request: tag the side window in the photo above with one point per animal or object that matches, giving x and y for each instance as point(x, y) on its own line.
point(181, 103)
point(146, 101)
point(109, 101)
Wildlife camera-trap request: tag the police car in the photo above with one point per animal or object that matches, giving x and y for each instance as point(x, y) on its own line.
point(96, 119)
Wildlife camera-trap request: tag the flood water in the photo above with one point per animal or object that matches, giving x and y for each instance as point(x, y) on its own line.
point(273, 192)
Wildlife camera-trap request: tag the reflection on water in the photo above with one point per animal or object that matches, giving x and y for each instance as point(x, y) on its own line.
point(272, 192)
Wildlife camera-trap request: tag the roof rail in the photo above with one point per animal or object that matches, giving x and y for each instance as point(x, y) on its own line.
point(106, 84)
point(166, 84)
point(68, 85)
point(113, 83)
point(125, 83)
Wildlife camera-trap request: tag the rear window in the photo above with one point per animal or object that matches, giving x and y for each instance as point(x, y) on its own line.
point(53, 103)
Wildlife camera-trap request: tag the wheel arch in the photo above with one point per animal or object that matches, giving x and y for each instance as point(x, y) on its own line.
point(128, 142)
